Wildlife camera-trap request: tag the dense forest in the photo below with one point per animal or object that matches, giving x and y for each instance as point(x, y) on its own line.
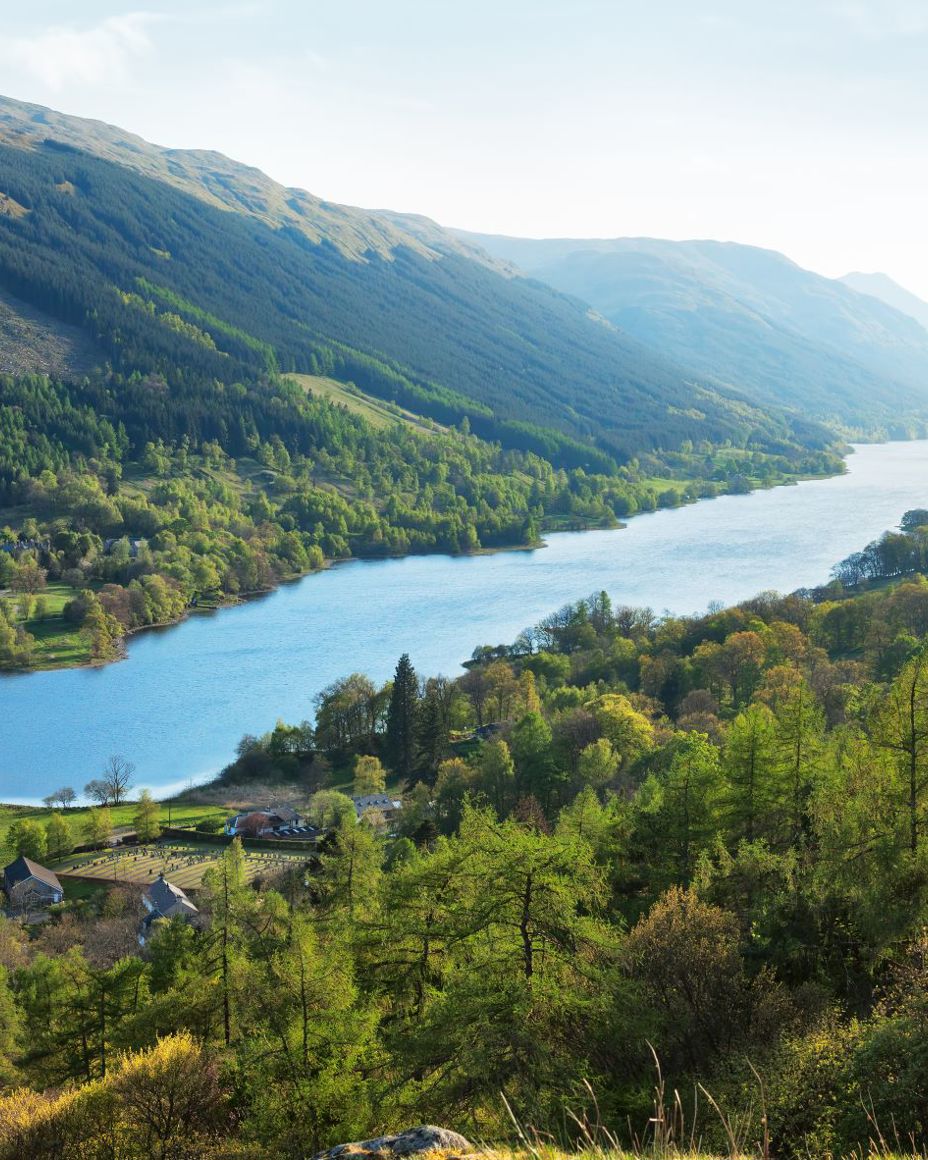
point(702, 835)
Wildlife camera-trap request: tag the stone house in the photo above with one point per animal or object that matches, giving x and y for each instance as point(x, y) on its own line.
point(164, 900)
point(29, 886)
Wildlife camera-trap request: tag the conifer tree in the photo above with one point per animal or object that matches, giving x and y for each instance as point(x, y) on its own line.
point(401, 719)
point(750, 774)
point(226, 887)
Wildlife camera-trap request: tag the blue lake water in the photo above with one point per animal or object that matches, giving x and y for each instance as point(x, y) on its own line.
point(185, 695)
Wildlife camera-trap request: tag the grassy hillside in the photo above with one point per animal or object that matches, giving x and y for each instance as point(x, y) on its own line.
point(377, 412)
point(747, 317)
point(122, 815)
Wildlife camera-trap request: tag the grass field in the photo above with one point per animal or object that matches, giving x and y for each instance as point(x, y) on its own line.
point(182, 816)
point(183, 863)
point(60, 644)
point(376, 411)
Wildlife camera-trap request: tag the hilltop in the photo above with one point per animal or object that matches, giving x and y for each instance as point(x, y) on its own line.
point(883, 287)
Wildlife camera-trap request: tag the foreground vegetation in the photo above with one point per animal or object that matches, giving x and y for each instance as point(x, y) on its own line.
point(702, 839)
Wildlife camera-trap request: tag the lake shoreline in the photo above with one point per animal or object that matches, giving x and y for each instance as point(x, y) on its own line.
point(123, 653)
point(188, 697)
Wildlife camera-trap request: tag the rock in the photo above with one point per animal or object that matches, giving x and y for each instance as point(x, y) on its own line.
point(425, 1138)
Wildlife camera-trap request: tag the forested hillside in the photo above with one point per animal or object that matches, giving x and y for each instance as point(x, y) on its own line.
point(704, 836)
point(749, 317)
point(432, 328)
point(126, 503)
point(170, 463)
point(449, 337)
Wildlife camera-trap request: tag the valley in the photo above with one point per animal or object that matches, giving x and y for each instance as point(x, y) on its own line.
point(518, 647)
point(165, 709)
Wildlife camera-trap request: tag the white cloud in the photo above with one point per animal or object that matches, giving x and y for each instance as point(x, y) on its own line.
point(64, 55)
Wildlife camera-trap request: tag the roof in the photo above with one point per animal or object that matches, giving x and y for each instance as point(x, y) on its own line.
point(166, 897)
point(376, 801)
point(24, 868)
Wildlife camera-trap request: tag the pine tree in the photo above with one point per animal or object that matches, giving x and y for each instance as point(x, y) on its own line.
point(750, 766)
point(431, 735)
point(401, 719)
point(226, 885)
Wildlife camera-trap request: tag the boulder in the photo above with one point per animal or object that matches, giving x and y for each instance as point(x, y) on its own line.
point(425, 1138)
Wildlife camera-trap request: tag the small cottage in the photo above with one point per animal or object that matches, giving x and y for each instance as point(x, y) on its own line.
point(165, 900)
point(29, 886)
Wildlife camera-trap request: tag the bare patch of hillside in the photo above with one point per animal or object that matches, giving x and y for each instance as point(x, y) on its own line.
point(32, 342)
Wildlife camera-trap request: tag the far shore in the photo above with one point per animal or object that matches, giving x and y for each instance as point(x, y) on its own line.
point(296, 577)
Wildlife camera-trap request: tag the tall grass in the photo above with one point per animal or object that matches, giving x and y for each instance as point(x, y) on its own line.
point(672, 1134)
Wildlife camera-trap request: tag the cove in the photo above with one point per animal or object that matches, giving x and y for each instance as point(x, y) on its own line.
point(185, 695)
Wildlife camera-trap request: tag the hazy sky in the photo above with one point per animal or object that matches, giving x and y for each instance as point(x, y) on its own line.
point(796, 124)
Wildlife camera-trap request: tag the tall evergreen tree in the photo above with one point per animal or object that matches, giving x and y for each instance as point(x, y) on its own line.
point(401, 719)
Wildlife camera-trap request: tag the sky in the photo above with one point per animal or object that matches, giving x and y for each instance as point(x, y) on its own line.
point(800, 125)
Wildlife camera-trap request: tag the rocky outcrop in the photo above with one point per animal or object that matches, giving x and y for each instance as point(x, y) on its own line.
point(425, 1138)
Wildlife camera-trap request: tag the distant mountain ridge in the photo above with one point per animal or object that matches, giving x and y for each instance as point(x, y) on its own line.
point(883, 287)
point(407, 310)
point(747, 316)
